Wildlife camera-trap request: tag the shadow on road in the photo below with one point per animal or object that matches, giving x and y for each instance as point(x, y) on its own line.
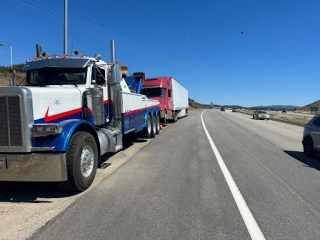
point(17, 192)
point(313, 162)
point(128, 140)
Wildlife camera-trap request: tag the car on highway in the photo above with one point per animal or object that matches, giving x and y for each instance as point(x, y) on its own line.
point(222, 109)
point(284, 111)
point(234, 110)
point(260, 114)
point(311, 137)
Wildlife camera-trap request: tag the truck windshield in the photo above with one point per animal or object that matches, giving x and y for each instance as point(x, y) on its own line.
point(56, 76)
point(152, 92)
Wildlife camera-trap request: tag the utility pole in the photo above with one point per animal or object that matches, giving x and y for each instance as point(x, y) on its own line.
point(14, 72)
point(11, 55)
point(112, 51)
point(65, 48)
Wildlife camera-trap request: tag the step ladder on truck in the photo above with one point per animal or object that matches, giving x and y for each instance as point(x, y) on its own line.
point(72, 110)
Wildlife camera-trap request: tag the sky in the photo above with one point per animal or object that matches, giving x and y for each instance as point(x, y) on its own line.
point(198, 42)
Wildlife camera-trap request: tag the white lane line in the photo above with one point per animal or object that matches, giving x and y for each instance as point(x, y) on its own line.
point(250, 222)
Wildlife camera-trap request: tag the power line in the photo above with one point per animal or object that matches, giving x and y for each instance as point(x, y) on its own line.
point(54, 18)
point(39, 11)
point(134, 43)
point(86, 23)
point(85, 30)
point(19, 3)
point(117, 4)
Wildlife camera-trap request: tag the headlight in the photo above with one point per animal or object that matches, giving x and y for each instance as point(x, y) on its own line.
point(38, 128)
point(259, 115)
point(46, 129)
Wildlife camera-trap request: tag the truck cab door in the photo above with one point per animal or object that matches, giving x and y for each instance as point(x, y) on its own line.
point(99, 77)
point(164, 97)
point(169, 103)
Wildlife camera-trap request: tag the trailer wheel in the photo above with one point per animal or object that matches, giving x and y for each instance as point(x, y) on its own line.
point(165, 119)
point(174, 117)
point(147, 131)
point(158, 124)
point(154, 127)
point(82, 162)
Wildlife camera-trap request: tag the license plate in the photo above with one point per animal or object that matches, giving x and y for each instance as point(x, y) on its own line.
point(3, 162)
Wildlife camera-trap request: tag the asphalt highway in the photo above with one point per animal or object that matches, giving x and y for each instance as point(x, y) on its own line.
point(211, 175)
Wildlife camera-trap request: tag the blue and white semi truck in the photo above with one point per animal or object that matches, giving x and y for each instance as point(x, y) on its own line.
point(71, 112)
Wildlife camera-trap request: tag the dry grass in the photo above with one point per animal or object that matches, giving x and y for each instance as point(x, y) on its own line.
point(195, 105)
point(304, 112)
point(299, 120)
point(6, 78)
point(248, 111)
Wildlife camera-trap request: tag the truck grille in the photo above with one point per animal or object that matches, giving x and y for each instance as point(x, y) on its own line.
point(10, 121)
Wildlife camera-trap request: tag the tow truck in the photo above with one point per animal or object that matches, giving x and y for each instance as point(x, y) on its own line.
point(72, 110)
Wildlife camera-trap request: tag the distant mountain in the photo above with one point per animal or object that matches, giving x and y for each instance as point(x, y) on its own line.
point(233, 106)
point(271, 107)
point(226, 106)
point(275, 107)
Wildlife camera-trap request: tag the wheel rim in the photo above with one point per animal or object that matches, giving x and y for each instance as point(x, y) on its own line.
point(149, 125)
point(158, 124)
point(154, 125)
point(87, 161)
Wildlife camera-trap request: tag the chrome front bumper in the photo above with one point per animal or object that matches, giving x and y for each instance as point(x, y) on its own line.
point(263, 117)
point(33, 167)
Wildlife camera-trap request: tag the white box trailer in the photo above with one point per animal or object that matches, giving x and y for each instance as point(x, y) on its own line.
point(180, 102)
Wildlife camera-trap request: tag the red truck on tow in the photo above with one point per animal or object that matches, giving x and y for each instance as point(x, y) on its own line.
point(171, 94)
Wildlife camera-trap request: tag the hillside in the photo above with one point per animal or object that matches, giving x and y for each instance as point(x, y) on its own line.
point(6, 75)
point(195, 105)
point(306, 109)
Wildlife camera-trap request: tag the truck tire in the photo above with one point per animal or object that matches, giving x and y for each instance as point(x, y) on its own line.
point(147, 131)
point(308, 148)
point(82, 161)
point(154, 127)
point(158, 124)
point(164, 120)
point(174, 117)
